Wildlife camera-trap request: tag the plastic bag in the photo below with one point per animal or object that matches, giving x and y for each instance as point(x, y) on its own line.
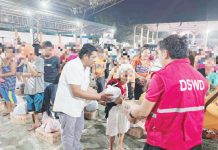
point(92, 106)
point(115, 91)
point(20, 109)
point(50, 125)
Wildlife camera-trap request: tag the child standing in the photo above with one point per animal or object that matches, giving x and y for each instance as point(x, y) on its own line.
point(34, 85)
point(117, 123)
point(8, 80)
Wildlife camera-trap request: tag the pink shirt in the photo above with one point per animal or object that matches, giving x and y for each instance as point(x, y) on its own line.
point(72, 56)
point(216, 68)
point(2, 80)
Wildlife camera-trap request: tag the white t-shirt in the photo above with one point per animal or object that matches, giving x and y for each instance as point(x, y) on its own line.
point(1, 59)
point(72, 73)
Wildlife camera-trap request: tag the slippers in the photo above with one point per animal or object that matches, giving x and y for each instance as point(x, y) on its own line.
point(120, 148)
point(5, 114)
point(210, 134)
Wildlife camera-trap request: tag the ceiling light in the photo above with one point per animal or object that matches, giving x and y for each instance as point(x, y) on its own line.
point(44, 3)
point(113, 31)
point(208, 31)
point(28, 12)
point(78, 24)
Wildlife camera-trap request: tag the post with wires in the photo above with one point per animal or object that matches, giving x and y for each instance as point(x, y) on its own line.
point(148, 35)
point(152, 37)
point(206, 37)
point(142, 31)
point(157, 33)
point(134, 36)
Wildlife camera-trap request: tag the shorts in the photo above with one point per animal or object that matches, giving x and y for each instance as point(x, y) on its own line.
point(20, 69)
point(8, 96)
point(34, 102)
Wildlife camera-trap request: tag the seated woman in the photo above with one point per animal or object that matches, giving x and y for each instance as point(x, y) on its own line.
point(142, 66)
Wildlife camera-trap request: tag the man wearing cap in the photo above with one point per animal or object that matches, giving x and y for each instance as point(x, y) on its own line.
point(174, 101)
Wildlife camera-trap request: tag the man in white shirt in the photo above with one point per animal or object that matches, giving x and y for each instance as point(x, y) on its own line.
point(72, 96)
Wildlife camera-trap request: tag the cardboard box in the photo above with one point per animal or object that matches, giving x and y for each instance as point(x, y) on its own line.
point(136, 132)
point(51, 138)
point(2, 106)
point(129, 104)
point(91, 115)
point(18, 92)
point(21, 119)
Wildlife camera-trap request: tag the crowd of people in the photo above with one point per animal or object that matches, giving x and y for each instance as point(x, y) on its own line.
point(172, 82)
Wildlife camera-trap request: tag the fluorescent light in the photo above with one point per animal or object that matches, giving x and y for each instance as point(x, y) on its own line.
point(44, 4)
point(6, 19)
point(78, 24)
point(28, 12)
point(113, 30)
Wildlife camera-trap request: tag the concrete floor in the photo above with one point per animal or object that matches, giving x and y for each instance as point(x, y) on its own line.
point(16, 137)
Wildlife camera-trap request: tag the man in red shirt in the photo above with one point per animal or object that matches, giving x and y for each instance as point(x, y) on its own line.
point(174, 101)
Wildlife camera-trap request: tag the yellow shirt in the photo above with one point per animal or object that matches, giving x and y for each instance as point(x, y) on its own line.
point(100, 67)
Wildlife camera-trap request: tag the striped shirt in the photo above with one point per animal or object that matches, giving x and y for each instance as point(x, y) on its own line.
point(34, 85)
point(10, 82)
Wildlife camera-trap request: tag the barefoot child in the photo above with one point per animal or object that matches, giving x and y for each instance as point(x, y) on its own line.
point(34, 86)
point(117, 123)
point(8, 80)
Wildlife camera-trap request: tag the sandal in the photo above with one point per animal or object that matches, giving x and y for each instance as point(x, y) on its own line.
point(33, 127)
point(5, 114)
point(210, 134)
point(120, 147)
